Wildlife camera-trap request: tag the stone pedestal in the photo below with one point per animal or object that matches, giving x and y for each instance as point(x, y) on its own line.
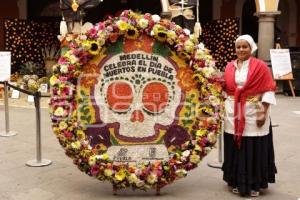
point(266, 33)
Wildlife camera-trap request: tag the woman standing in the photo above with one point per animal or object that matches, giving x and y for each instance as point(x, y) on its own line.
point(248, 145)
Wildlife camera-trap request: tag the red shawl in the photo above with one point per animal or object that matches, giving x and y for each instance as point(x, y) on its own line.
point(259, 80)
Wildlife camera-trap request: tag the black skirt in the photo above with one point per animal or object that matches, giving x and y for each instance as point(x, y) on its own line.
point(252, 166)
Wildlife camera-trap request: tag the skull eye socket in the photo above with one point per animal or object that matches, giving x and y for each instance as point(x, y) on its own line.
point(119, 96)
point(155, 97)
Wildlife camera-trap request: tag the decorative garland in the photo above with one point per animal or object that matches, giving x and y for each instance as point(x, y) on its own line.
point(199, 78)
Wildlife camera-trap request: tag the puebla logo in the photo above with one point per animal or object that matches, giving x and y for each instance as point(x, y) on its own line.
point(136, 101)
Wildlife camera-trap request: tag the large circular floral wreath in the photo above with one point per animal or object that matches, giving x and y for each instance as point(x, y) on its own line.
point(199, 73)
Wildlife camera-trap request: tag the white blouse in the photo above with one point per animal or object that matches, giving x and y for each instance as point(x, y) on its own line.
point(251, 128)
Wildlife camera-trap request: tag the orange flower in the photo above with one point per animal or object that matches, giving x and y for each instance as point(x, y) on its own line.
point(185, 77)
point(90, 75)
point(143, 43)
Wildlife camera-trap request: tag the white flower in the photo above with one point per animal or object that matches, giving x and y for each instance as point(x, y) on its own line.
point(199, 54)
point(143, 23)
point(212, 138)
point(181, 173)
point(155, 18)
point(201, 46)
point(214, 100)
point(132, 178)
point(82, 37)
point(186, 153)
point(139, 183)
point(63, 125)
point(208, 71)
point(152, 178)
point(73, 59)
point(187, 31)
point(64, 69)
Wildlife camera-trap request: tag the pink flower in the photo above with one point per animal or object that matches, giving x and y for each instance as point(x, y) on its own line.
point(62, 60)
point(101, 26)
point(95, 170)
point(92, 33)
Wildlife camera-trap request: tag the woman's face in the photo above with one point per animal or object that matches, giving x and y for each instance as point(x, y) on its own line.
point(243, 50)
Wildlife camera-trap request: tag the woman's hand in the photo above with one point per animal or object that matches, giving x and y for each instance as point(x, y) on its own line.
point(261, 113)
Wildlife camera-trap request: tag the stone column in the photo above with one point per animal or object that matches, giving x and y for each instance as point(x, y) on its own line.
point(266, 33)
point(165, 13)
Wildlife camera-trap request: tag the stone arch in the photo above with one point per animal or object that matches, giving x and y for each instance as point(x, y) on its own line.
point(249, 22)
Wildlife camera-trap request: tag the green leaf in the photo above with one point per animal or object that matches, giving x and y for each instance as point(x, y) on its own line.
point(115, 48)
point(161, 49)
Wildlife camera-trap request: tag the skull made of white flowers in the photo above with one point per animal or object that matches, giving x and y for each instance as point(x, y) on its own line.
point(138, 94)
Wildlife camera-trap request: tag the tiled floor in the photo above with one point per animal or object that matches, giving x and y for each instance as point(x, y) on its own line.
point(63, 181)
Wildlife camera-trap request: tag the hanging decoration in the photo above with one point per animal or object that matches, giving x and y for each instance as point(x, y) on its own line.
point(26, 39)
point(219, 36)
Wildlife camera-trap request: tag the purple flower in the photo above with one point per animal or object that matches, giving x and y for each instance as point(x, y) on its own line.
point(176, 135)
point(98, 134)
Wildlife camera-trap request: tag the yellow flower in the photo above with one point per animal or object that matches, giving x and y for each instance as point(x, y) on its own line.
point(120, 175)
point(53, 80)
point(56, 130)
point(132, 33)
point(104, 156)
point(76, 145)
point(86, 44)
point(59, 112)
point(80, 134)
point(197, 148)
point(108, 172)
point(63, 125)
point(94, 48)
point(195, 158)
point(122, 25)
point(160, 33)
point(201, 132)
point(171, 37)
